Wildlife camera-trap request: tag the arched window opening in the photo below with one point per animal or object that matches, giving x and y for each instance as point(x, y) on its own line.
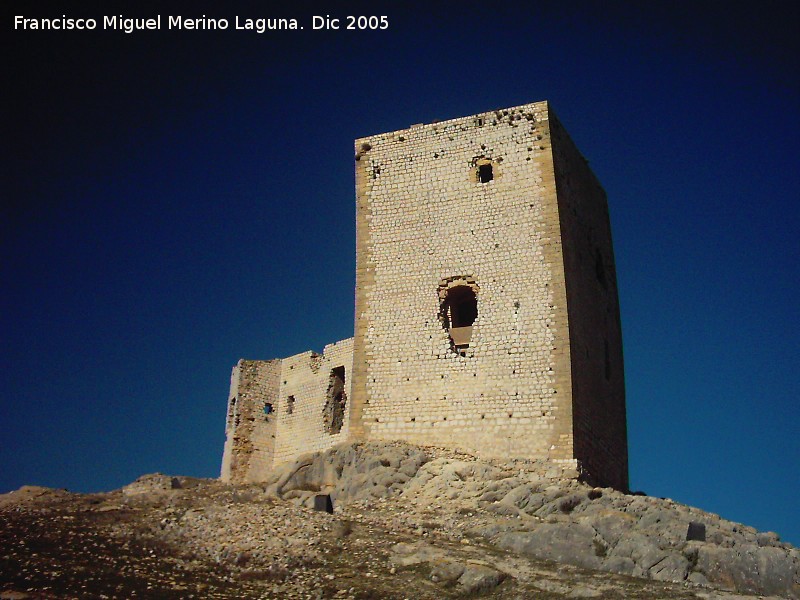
point(459, 311)
point(462, 306)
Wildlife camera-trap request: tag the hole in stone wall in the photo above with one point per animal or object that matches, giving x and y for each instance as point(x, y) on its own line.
point(458, 311)
point(333, 411)
point(462, 306)
point(290, 405)
point(267, 409)
point(485, 174)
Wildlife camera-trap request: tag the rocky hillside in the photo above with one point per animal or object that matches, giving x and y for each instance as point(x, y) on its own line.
point(408, 522)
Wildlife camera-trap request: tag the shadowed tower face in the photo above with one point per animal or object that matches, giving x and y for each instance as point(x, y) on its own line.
point(486, 302)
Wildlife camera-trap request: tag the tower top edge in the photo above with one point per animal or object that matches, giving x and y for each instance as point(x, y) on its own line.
point(541, 109)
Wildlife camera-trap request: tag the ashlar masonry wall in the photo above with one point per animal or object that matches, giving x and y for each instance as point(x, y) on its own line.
point(314, 404)
point(469, 201)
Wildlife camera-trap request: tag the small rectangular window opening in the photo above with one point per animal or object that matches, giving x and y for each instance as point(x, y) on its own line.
point(485, 173)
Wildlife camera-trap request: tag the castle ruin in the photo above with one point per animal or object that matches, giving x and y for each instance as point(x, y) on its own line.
point(487, 314)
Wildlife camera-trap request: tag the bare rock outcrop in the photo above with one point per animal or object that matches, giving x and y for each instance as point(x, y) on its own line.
point(522, 508)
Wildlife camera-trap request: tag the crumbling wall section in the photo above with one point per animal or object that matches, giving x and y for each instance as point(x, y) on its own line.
point(314, 402)
point(470, 201)
point(251, 421)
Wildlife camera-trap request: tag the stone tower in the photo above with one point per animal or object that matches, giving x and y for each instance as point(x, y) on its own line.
point(487, 315)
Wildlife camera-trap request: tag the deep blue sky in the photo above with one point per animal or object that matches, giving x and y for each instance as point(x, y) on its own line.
point(173, 201)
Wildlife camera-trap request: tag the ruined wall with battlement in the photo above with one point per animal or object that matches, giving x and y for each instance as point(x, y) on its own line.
point(280, 409)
